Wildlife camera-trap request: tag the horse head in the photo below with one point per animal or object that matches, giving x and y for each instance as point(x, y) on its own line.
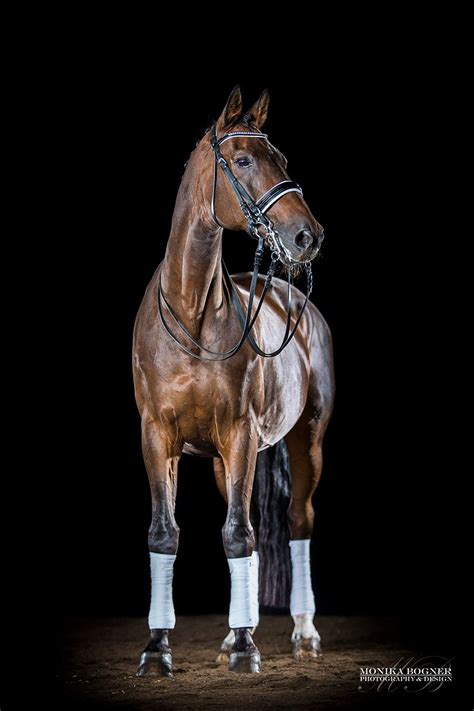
point(261, 170)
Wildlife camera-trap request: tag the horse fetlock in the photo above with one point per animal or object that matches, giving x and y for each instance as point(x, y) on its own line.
point(305, 640)
point(304, 626)
point(226, 646)
point(156, 659)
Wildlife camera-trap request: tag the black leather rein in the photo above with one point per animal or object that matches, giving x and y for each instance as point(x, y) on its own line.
point(254, 212)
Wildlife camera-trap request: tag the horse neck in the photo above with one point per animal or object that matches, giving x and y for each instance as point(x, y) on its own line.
point(191, 273)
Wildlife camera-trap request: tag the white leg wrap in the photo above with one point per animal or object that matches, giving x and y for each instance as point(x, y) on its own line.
point(243, 592)
point(254, 579)
point(161, 615)
point(302, 598)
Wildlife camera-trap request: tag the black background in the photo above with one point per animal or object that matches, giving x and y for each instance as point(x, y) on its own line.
point(358, 137)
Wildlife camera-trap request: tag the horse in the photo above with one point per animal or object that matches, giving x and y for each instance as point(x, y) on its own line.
point(214, 378)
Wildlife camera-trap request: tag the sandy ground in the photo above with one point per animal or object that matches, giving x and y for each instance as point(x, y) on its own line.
point(100, 659)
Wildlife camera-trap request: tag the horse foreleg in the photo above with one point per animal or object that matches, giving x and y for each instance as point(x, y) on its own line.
point(304, 448)
point(161, 463)
point(229, 639)
point(239, 461)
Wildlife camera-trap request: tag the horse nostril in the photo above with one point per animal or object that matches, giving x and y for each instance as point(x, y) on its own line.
point(304, 239)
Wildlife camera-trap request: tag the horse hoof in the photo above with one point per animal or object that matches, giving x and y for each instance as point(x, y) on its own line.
point(309, 648)
point(245, 662)
point(155, 664)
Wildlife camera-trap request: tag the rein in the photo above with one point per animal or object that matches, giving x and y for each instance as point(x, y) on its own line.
point(254, 212)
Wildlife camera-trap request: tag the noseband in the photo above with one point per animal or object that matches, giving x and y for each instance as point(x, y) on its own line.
point(254, 212)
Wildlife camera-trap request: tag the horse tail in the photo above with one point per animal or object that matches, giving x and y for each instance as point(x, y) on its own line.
point(270, 500)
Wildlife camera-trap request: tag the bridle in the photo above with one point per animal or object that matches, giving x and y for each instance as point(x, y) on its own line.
point(254, 212)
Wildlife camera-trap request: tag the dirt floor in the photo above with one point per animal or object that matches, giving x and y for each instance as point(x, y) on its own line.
point(100, 659)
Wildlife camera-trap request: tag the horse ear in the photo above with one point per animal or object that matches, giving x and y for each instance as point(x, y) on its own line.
point(259, 111)
point(232, 109)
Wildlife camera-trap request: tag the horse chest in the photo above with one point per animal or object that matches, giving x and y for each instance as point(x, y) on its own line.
point(199, 402)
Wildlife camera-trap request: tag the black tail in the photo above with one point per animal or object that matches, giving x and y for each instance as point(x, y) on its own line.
point(270, 499)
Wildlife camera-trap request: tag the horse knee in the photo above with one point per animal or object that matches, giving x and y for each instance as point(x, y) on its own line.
point(238, 538)
point(163, 537)
point(300, 519)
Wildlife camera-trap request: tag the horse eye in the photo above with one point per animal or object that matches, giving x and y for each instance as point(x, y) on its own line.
point(243, 162)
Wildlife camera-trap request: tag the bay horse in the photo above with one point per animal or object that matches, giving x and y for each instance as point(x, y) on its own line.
point(206, 385)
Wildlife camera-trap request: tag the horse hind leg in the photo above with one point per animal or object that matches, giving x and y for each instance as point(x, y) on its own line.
point(304, 447)
point(162, 468)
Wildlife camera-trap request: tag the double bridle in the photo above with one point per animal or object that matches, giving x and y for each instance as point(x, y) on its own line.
point(254, 212)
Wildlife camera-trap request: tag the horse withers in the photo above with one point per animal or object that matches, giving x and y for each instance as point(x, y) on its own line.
point(204, 386)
